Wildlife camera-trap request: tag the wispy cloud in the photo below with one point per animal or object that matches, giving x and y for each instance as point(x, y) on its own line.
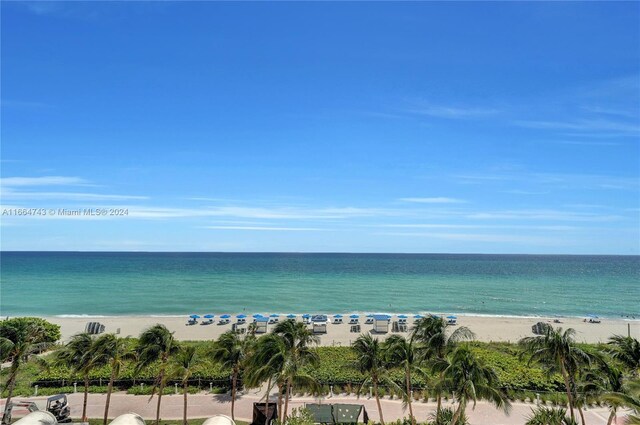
point(485, 237)
point(43, 181)
point(9, 194)
point(545, 215)
point(452, 112)
point(435, 200)
point(582, 125)
point(268, 228)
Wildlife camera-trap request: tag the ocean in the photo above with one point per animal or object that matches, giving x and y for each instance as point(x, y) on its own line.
point(117, 283)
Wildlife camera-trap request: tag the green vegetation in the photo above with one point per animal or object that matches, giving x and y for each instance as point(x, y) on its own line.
point(432, 363)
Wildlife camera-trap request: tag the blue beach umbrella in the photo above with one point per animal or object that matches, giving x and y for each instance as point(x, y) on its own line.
point(337, 316)
point(452, 317)
point(402, 316)
point(224, 316)
point(194, 316)
point(209, 316)
point(291, 316)
point(241, 316)
point(369, 315)
point(354, 316)
point(306, 316)
point(257, 316)
point(274, 315)
point(418, 316)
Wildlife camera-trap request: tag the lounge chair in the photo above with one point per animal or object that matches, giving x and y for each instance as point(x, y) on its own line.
point(337, 320)
point(369, 321)
point(192, 322)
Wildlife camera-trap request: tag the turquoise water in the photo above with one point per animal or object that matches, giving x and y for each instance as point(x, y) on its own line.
point(66, 283)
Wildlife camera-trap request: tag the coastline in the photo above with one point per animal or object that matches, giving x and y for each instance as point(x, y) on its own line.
point(486, 328)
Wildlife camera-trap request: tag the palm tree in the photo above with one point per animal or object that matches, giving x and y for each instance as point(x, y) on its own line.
point(183, 364)
point(629, 398)
point(77, 355)
point(25, 339)
point(558, 351)
point(434, 342)
point(626, 350)
point(114, 351)
point(296, 339)
point(549, 416)
point(605, 380)
point(470, 380)
point(371, 361)
point(263, 364)
point(231, 350)
point(156, 344)
point(401, 352)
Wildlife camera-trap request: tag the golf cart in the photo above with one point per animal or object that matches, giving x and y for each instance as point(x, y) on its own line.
point(59, 407)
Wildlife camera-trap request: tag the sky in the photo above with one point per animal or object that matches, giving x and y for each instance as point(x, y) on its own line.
point(430, 127)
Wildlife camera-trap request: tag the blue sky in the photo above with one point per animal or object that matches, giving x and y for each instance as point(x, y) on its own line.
point(347, 127)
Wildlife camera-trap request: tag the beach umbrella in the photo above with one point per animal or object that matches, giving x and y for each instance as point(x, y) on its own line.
point(306, 316)
point(257, 315)
point(452, 317)
point(274, 315)
point(209, 316)
point(354, 316)
point(402, 316)
point(194, 316)
point(369, 315)
point(241, 316)
point(224, 316)
point(291, 316)
point(338, 316)
point(418, 316)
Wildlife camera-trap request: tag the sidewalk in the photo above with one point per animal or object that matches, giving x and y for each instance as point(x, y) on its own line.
point(205, 405)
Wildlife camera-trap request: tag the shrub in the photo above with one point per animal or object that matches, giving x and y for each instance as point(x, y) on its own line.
point(52, 331)
point(445, 417)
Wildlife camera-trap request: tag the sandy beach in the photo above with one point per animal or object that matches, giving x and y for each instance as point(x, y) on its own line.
point(486, 328)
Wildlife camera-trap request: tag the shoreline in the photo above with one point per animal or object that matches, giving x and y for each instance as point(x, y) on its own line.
point(486, 328)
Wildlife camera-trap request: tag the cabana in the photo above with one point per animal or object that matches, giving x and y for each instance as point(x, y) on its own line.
point(261, 324)
point(319, 322)
point(381, 323)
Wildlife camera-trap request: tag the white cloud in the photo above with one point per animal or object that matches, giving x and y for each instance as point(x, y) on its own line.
point(436, 200)
point(66, 196)
point(267, 228)
point(451, 112)
point(43, 181)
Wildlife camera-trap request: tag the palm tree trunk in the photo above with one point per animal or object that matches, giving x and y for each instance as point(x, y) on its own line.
point(280, 403)
point(458, 412)
point(86, 395)
point(287, 390)
point(234, 380)
point(160, 391)
point(11, 382)
point(109, 390)
point(185, 391)
point(581, 415)
point(439, 396)
point(408, 382)
point(375, 390)
point(611, 416)
point(568, 388)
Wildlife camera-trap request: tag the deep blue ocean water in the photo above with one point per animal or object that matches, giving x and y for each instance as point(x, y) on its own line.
point(74, 283)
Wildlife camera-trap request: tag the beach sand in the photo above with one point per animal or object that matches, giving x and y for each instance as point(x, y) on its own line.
point(486, 328)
